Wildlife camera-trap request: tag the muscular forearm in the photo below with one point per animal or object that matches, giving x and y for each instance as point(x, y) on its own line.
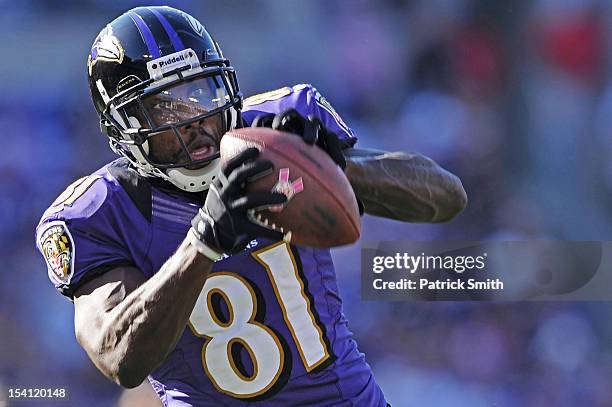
point(405, 186)
point(137, 333)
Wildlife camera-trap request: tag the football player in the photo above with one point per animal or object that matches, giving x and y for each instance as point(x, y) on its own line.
point(170, 278)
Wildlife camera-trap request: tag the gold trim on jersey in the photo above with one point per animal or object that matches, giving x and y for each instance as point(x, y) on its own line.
point(233, 363)
point(213, 314)
point(307, 366)
point(75, 190)
point(252, 321)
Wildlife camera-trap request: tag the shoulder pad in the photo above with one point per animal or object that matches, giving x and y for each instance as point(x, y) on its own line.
point(267, 96)
point(307, 100)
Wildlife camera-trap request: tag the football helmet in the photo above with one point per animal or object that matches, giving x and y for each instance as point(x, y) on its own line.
point(165, 94)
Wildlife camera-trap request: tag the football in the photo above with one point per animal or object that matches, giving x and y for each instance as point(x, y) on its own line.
point(322, 210)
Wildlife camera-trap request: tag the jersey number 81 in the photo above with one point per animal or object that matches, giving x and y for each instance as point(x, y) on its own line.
point(261, 343)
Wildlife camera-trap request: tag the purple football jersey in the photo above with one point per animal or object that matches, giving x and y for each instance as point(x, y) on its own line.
point(268, 326)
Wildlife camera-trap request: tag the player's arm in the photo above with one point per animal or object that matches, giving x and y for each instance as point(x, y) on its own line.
point(396, 185)
point(128, 325)
point(404, 186)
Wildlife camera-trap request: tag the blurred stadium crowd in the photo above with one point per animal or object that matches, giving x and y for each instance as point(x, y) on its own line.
point(513, 96)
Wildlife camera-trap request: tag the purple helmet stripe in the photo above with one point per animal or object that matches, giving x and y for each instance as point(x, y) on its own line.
point(146, 33)
point(174, 38)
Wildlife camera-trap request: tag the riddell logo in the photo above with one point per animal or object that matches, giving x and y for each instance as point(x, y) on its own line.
point(159, 66)
point(172, 60)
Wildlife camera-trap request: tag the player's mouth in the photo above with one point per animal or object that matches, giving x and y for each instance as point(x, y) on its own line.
point(202, 152)
point(205, 147)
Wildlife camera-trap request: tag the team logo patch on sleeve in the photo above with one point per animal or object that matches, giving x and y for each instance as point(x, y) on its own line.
point(57, 248)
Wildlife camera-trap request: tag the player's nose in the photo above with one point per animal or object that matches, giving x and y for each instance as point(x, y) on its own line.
point(188, 132)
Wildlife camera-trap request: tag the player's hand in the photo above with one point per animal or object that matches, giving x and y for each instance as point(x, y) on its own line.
point(309, 128)
point(223, 223)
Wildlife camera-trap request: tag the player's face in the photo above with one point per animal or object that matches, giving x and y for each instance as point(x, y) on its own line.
point(198, 140)
point(201, 139)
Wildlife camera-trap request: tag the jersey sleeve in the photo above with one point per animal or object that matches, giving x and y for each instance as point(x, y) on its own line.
point(307, 100)
point(83, 234)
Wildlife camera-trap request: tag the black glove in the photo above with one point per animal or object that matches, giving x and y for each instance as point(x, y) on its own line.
point(223, 223)
point(310, 129)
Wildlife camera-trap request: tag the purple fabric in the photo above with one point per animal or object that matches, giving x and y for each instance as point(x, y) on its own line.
point(107, 227)
point(307, 100)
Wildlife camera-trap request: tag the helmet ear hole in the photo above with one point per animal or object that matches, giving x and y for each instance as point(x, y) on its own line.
point(108, 129)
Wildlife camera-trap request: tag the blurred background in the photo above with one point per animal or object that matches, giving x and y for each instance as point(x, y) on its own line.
point(513, 96)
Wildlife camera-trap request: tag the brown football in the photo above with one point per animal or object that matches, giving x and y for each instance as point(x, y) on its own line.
point(322, 210)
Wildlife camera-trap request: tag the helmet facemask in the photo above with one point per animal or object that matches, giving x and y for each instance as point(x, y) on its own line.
point(171, 126)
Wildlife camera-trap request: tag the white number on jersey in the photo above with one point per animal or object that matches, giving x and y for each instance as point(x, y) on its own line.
point(261, 343)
